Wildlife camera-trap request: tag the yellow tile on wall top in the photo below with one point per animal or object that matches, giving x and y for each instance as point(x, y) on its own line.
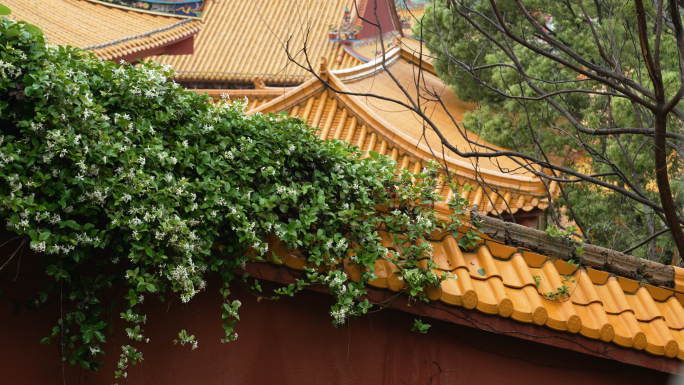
point(492, 297)
point(527, 306)
point(585, 291)
point(597, 277)
point(501, 251)
point(628, 332)
point(628, 285)
point(679, 279)
point(533, 259)
point(679, 337)
point(459, 291)
point(295, 261)
point(673, 312)
point(659, 293)
point(595, 323)
point(645, 309)
point(481, 264)
point(565, 267)
point(515, 272)
point(562, 315)
point(447, 254)
point(613, 298)
point(659, 338)
point(383, 270)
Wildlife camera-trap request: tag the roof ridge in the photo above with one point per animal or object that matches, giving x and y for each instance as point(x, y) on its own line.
point(596, 257)
point(138, 36)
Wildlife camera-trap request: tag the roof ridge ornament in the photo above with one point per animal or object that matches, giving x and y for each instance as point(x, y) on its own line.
point(323, 69)
point(259, 83)
point(345, 32)
point(191, 9)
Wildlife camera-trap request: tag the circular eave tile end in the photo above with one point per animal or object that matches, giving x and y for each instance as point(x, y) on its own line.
point(607, 333)
point(470, 299)
point(505, 307)
point(540, 316)
point(671, 348)
point(574, 323)
point(639, 341)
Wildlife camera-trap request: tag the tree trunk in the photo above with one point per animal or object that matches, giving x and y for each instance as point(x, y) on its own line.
point(663, 180)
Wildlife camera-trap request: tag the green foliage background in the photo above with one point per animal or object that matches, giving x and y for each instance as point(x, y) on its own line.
point(611, 220)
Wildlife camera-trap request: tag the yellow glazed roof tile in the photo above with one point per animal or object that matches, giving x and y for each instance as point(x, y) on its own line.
point(679, 338)
point(583, 290)
point(527, 305)
point(459, 291)
point(448, 255)
point(628, 285)
point(613, 298)
point(349, 118)
point(628, 333)
point(679, 279)
point(533, 259)
point(595, 323)
point(659, 294)
point(598, 277)
point(243, 39)
point(481, 265)
point(645, 308)
point(492, 298)
point(673, 313)
point(659, 339)
point(603, 310)
point(515, 272)
point(109, 32)
point(501, 249)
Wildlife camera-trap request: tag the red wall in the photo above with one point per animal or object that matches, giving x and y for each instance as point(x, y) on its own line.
point(291, 341)
point(384, 18)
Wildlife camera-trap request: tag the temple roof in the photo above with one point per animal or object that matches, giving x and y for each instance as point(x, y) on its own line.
point(388, 129)
point(409, 16)
point(244, 39)
point(610, 297)
point(111, 33)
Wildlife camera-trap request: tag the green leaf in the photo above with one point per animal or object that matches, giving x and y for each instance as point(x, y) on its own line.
point(481, 272)
point(374, 155)
point(4, 10)
point(12, 32)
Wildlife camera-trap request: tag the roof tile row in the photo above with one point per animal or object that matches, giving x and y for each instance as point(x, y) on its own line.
point(500, 280)
point(109, 32)
point(244, 39)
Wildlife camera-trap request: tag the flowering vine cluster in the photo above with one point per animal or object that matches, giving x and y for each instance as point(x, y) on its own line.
point(117, 178)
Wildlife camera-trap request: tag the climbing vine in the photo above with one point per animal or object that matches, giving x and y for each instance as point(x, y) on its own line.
point(117, 178)
point(562, 293)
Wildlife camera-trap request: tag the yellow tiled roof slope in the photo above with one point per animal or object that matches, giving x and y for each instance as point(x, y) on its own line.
point(373, 126)
point(243, 39)
point(510, 282)
point(338, 121)
point(412, 16)
point(108, 32)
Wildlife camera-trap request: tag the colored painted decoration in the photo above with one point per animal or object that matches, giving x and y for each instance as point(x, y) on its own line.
point(179, 8)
